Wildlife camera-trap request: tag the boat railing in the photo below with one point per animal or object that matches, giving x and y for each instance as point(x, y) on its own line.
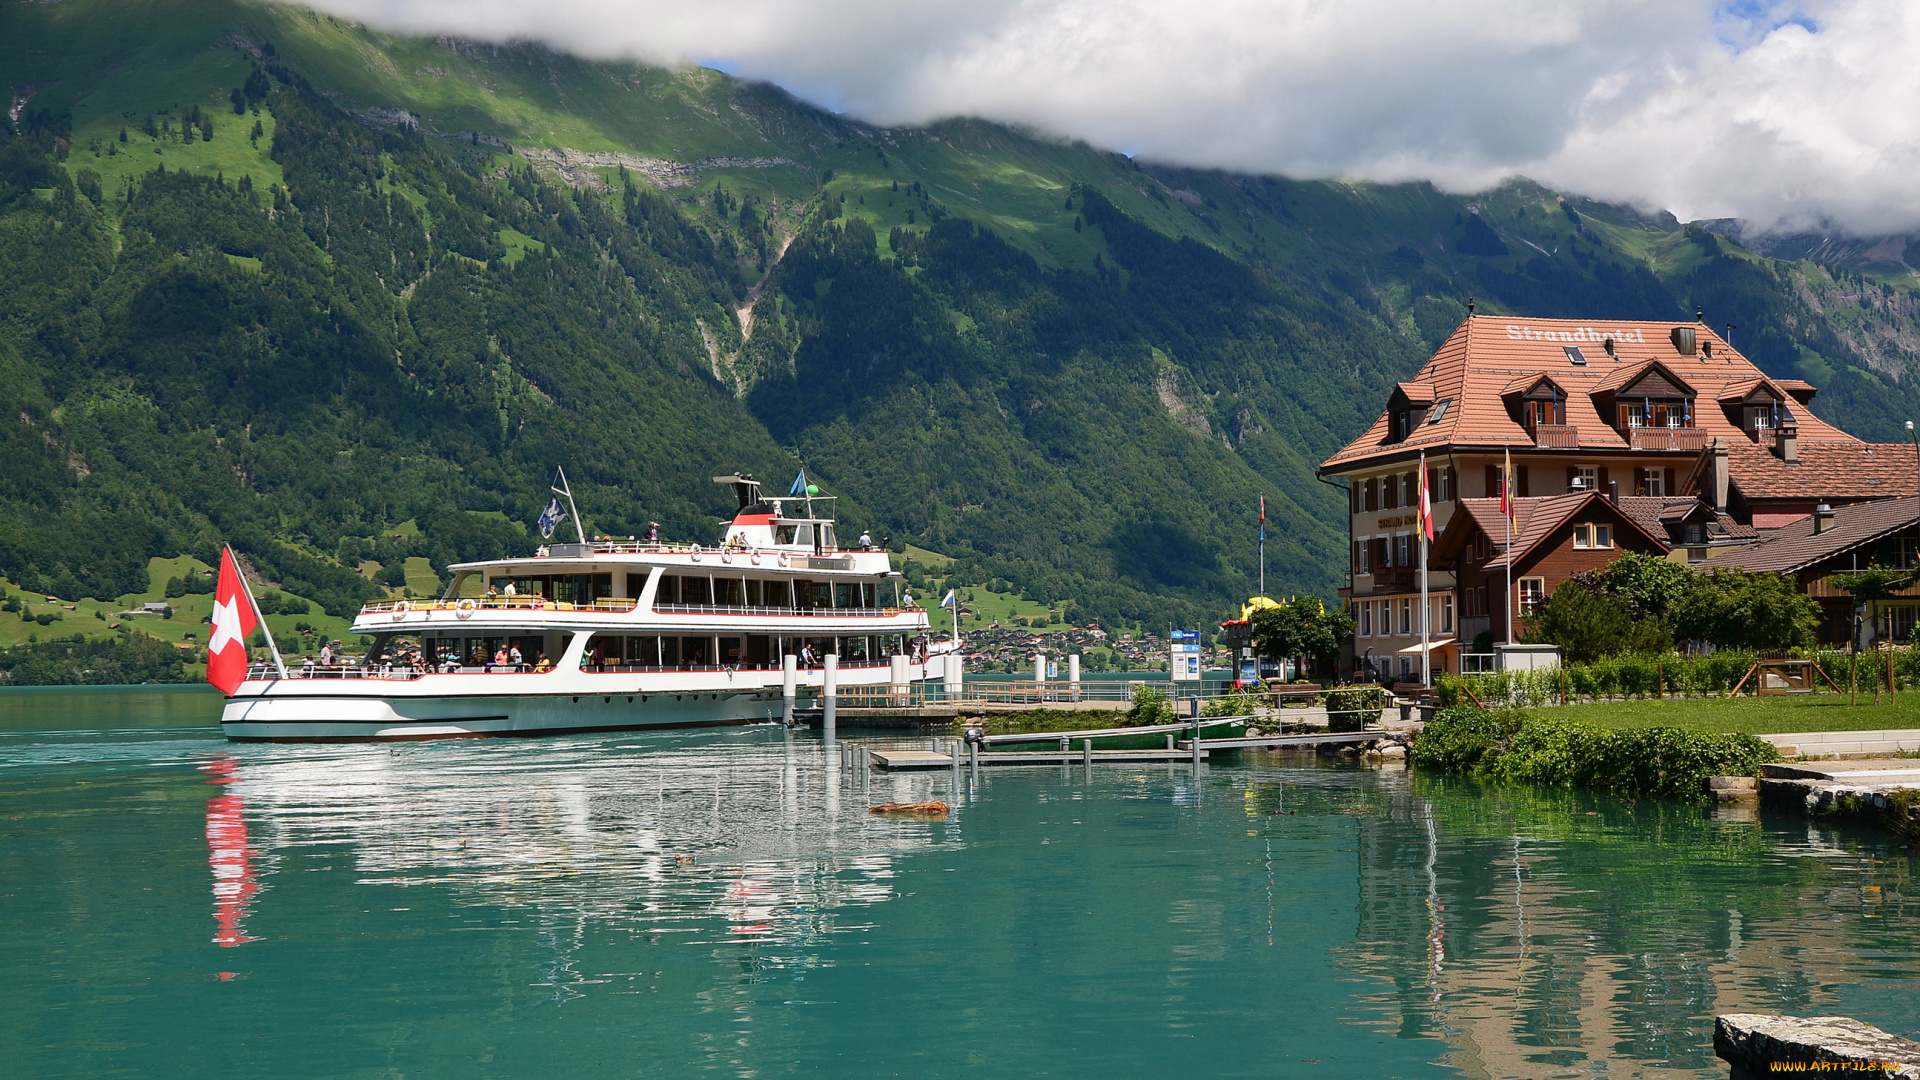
point(813, 612)
point(462, 605)
point(614, 669)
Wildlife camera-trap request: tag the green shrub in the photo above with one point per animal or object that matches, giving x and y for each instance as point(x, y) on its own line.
point(1348, 706)
point(1515, 746)
point(1150, 706)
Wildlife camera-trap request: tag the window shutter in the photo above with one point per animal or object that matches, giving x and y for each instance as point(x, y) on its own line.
point(1667, 488)
point(1493, 482)
point(1525, 488)
point(1604, 481)
point(1572, 471)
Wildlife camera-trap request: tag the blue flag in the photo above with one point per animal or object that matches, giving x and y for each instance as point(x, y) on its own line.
point(948, 600)
point(550, 519)
point(799, 484)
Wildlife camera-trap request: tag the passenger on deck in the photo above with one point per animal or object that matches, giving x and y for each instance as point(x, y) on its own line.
point(514, 657)
point(543, 664)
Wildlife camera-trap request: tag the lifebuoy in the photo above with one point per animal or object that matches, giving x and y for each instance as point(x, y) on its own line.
point(464, 609)
point(696, 553)
point(726, 556)
point(785, 559)
point(754, 558)
point(400, 610)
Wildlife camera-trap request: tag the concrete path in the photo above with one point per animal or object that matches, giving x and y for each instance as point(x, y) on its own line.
point(1847, 744)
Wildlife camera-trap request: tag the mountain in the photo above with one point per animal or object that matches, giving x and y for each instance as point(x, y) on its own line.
point(344, 298)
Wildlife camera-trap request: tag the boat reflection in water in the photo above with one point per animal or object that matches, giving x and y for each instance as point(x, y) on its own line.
point(666, 836)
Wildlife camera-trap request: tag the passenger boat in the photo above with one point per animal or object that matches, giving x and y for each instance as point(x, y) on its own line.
point(1144, 737)
point(614, 635)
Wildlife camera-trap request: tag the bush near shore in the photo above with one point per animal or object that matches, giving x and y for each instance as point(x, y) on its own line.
point(1615, 678)
point(1513, 745)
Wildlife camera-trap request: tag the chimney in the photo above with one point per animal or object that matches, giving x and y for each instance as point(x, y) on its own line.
point(1786, 443)
point(1613, 492)
point(1822, 518)
point(1609, 346)
point(1717, 475)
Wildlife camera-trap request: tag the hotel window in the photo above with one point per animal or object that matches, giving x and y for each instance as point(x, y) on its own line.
point(1650, 482)
point(1575, 356)
point(1446, 614)
point(1759, 417)
point(1906, 552)
point(1533, 593)
point(1439, 411)
point(1593, 536)
point(1403, 550)
point(1365, 611)
point(1588, 476)
point(1406, 617)
point(1360, 565)
point(1370, 495)
point(1535, 413)
point(1900, 622)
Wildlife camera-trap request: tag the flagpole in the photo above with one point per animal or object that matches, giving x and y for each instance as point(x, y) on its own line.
point(1263, 545)
point(1506, 516)
point(567, 489)
point(1426, 606)
point(259, 616)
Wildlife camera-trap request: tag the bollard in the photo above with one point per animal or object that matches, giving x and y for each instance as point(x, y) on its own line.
point(1063, 744)
point(789, 677)
point(1073, 677)
point(897, 676)
point(1086, 755)
point(829, 690)
point(1040, 676)
point(1196, 749)
point(1169, 740)
point(973, 755)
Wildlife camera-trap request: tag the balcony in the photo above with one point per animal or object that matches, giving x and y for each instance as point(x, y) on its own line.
point(1394, 579)
point(1668, 438)
point(1558, 436)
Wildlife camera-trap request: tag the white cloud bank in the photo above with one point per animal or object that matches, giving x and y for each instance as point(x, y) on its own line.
point(1788, 115)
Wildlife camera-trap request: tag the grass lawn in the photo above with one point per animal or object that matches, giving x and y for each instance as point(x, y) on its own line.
point(1756, 716)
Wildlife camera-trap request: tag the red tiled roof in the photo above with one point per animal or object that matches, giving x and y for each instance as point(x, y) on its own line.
point(1417, 392)
point(1826, 470)
point(1538, 519)
point(1488, 354)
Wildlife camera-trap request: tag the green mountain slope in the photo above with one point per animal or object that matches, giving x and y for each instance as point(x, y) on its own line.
point(270, 277)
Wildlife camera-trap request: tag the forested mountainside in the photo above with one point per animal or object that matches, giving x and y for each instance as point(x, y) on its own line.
point(342, 298)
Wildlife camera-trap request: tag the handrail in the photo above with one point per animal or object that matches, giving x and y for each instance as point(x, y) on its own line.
point(614, 605)
point(812, 612)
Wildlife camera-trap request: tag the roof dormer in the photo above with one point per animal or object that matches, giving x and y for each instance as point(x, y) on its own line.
point(1407, 409)
point(1645, 396)
point(1758, 407)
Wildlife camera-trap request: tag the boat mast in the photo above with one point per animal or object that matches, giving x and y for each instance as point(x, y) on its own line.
point(567, 489)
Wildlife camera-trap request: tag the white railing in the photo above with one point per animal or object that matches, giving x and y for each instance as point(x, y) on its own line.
point(813, 612)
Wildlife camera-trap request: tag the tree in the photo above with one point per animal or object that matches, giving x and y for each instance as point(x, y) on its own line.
point(1739, 610)
point(1874, 584)
point(1585, 625)
point(1300, 626)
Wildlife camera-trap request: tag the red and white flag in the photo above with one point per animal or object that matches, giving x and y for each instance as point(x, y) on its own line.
point(233, 622)
point(1426, 501)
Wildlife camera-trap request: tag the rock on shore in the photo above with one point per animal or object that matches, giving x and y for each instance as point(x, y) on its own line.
point(1753, 1042)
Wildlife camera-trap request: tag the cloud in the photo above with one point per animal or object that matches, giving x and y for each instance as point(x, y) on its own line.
point(1788, 115)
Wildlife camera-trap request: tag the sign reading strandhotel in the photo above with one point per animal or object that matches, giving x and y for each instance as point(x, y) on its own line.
point(1585, 333)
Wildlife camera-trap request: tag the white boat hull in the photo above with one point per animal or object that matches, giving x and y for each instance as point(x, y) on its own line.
point(551, 703)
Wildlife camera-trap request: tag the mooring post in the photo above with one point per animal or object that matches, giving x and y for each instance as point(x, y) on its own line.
point(1039, 677)
point(829, 690)
point(1196, 748)
point(1073, 676)
point(1086, 756)
point(789, 681)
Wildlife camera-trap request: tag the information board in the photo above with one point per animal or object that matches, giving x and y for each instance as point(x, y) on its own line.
point(1183, 661)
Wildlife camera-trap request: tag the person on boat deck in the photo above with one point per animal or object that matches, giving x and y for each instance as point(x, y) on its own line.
point(326, 654)
point(515, 658)
point(599, 656)
point(866, 540)
point(653, 532)
point(543, 664)
point(806, 656)
point(510, 591)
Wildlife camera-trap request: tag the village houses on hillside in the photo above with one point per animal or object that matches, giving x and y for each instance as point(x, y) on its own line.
point(1657, 437)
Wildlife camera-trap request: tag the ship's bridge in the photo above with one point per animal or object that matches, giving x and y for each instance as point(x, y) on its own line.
point(796, 524)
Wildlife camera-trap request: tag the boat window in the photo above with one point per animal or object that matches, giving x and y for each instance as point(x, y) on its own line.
point(669, 652)
point(669, 590)
point(779, 594)
point(466, 583)
point(636, 584)
point(853, 650)
point(729, 592)
point(759, 652)
point(783, 534)
point(695, 651)
point(755, 592)
point(803, 535)
point(731, 650)
point(843, 595)
point(826, 538)
point(693, 590)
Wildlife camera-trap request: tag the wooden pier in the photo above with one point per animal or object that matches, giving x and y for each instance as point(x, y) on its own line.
point(958, 755)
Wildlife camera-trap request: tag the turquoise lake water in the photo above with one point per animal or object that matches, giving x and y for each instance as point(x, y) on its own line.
point(719, 903)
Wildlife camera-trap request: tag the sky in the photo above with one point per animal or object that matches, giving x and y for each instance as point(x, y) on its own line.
point(1791, 116)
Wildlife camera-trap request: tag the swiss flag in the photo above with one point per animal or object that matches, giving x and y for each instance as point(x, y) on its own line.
point(233, 622)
